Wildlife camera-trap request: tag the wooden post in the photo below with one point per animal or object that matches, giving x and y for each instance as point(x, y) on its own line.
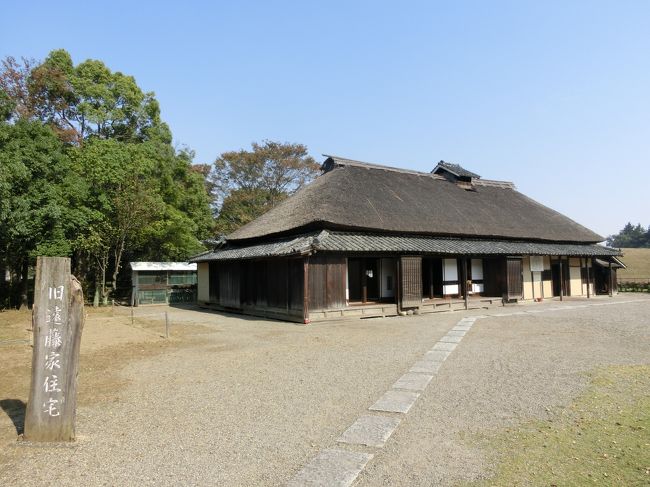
point(532, 277)
point(588, 279)
point(465, 290)
point(305, 292)
point(166, 324)
point(131, 315)
point(57, 324)
point(611, 280)
point(398, 284)
point(364, 282)
point(561, 280)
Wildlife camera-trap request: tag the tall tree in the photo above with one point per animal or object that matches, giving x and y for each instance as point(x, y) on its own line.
point(80, 101)
point(248, 183)
point(40, 207)
point(87, 169)
point(631, 236)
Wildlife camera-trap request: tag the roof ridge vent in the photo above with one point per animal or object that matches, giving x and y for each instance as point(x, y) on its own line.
point(454, 172)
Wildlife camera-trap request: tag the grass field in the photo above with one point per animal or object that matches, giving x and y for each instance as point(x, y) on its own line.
point(603, 438)
point(637, 262)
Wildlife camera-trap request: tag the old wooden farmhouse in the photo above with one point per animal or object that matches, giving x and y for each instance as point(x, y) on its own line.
point(369, 240)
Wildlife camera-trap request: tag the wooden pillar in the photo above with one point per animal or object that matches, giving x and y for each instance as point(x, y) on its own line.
point(305, 292)
point(611, 280)
point(57, 321)
point(431, 292)
point(287, 289)
point(588, 277)
point(532, 278)
point(364, 282)
point(398, 284)
point(561, 280)
point(541, 278)
point(465, 286)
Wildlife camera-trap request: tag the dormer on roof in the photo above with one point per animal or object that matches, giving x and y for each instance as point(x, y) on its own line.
point(454, 172)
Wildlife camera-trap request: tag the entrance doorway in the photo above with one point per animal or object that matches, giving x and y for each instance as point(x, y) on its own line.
point(432, 278)
point(363, 279)
point(560, 278)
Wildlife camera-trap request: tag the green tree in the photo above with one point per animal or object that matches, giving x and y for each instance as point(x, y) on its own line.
point(248, 183)
point(631, 236)
point(40, 208)
point(80, 101)
point(240, 207)
point(87, 169)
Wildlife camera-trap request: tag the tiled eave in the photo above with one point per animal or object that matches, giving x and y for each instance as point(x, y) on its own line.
point(355, 242)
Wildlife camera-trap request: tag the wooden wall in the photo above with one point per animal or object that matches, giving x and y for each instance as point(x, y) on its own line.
point(276, 283)
point(327, 281)
point(515, 278)
point(229, 284)
point(410, 281)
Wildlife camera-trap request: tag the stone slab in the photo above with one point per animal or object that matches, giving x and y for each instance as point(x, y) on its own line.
point(426, 366)
point(412, 381)
point(462, 327)
point(370, 431)
point(436, 355)
point(444, 346)
point(395, 402)
point(331, 468)
point(451, 339)
point(456, 333)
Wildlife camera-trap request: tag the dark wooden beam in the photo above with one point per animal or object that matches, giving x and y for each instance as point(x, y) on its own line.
point(532, 276)
point(305, 292)
point(465, 286)
point(611, 280)
point(588, 277)
point(364, 282)
point(561, 281)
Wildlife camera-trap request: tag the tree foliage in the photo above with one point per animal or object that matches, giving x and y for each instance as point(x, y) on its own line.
point(246, 184)
point(87, 170)
point(631, 236)
point(80, 101)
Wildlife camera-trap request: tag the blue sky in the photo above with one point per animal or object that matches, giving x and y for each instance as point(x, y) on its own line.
point(554, 96)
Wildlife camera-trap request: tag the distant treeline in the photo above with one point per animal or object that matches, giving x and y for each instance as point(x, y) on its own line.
point(88, 170)
point(632, 236)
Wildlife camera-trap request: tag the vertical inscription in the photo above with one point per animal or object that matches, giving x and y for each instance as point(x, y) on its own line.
point(57, 323)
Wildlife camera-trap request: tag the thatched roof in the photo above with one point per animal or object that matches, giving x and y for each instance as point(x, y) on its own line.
point(352, 195)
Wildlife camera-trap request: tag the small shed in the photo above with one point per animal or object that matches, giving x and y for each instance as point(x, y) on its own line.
point(163, 283)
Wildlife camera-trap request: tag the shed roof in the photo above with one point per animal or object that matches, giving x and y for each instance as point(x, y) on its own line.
point(350, 242)
point(352, 195)
point(163, 266)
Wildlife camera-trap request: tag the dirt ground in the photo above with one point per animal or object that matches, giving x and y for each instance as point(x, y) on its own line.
point(108, 333)
point(231, 400)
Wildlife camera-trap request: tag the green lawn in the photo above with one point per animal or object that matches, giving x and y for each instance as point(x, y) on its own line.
point(603, 438)
point(637, 262)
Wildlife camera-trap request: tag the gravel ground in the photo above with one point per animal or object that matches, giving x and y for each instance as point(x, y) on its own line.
point(255, 400)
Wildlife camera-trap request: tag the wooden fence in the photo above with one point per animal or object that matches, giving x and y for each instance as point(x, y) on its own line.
point(634, 284)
